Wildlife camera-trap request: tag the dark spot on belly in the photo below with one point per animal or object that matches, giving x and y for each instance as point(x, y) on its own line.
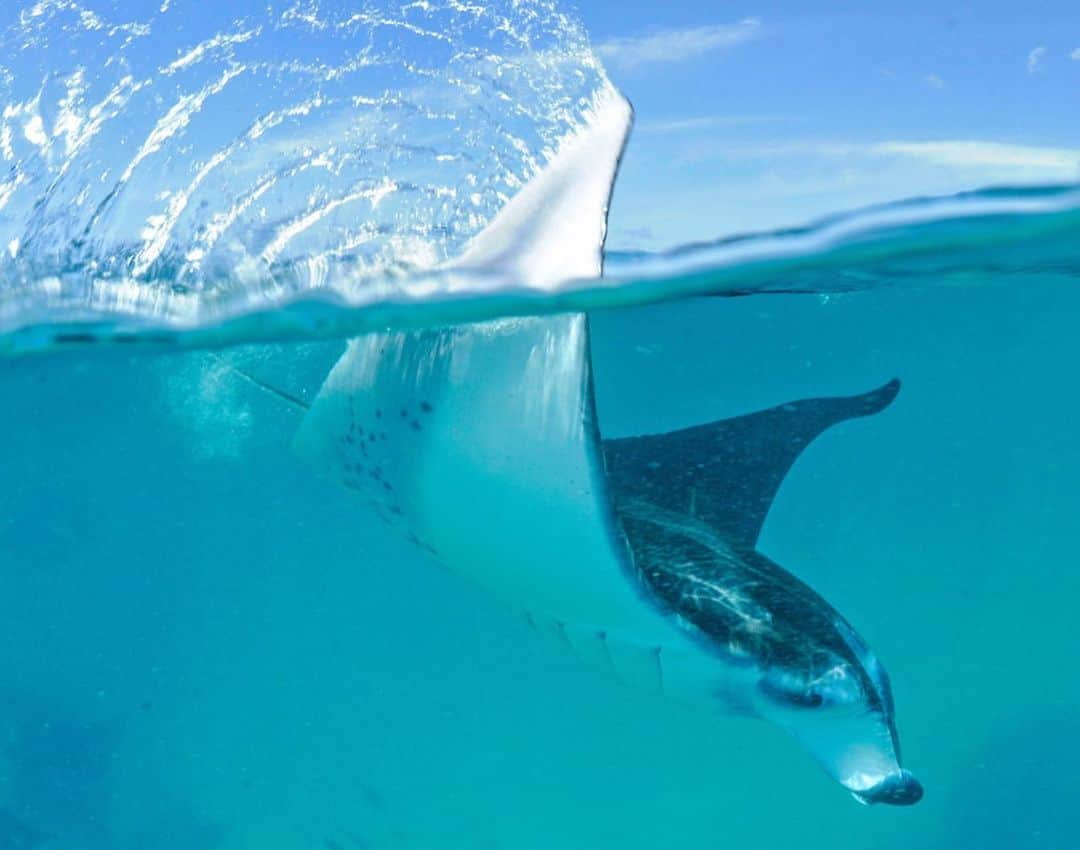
point(427, 408)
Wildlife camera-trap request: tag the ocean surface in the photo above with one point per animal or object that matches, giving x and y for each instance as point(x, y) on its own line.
point(207, 647)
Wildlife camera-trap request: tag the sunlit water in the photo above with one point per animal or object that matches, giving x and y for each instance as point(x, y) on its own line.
point(205, 646)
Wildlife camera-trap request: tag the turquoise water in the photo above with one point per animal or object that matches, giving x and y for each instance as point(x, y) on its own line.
point(208, 647)
point(232, 649)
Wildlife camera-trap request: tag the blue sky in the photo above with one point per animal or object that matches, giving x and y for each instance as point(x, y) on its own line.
point(758, 115)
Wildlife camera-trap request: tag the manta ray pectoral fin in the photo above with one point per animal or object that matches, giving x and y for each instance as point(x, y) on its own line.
point(550, 232)
point(553, 230)
point(479, 440)
point(727, 473)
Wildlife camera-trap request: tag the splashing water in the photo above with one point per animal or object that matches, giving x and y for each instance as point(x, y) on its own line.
point(163, 162)
point(197, 175)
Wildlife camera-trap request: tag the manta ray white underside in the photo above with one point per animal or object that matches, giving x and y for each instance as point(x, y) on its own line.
point(481, 444)
point(480, 441)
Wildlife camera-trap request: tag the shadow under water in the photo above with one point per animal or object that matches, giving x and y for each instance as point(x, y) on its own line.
point(57, 773)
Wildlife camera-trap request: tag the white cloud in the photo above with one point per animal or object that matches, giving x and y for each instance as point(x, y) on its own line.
point(976, 154)
point(704, 122)
point(1075, 55)
point(676, 45)
point(1035, 59)
point(997, 159)
point(935, 81)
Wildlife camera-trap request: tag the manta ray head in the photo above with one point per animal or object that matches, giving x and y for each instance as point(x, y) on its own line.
point(840, 708)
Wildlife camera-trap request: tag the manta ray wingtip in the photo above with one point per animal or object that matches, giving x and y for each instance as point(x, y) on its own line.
point(877, 400)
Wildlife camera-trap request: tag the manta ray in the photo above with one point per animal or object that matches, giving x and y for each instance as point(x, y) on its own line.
point(481, 443)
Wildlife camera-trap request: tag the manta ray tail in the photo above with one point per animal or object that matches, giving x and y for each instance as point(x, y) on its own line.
point(728, 472)
point(280, 394)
